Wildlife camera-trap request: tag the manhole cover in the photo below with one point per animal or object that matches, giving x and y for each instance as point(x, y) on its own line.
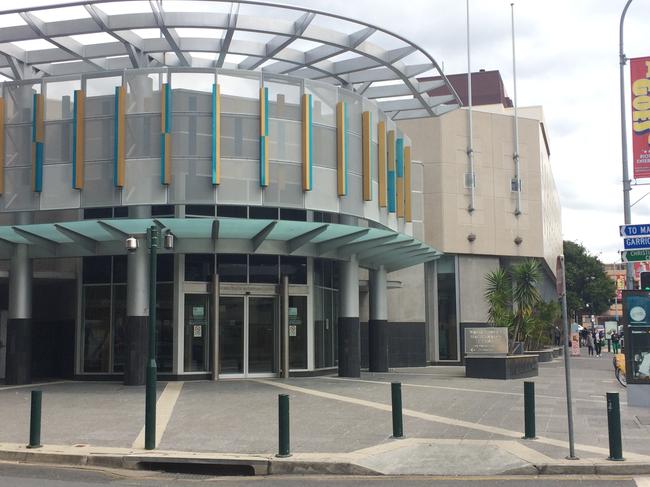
point(643, 420)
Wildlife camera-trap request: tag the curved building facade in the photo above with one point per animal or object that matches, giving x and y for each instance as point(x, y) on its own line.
point(255, 178)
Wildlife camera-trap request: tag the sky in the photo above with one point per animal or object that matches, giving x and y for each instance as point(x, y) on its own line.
point(567, 61)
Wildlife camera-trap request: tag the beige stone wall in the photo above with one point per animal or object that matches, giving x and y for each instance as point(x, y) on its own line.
point(441, 145)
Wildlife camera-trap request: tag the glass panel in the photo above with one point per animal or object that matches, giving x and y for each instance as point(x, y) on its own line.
point(96, 270)
point(263, 212)
point(143, 92)
point(199, 210)
point(18, 142)
point(199, 267)
point(197, 330)
point(192, 92)
point(19, 101)
point(165, 326)
point(240, 137)
point(263, 269)
point(119, 327)
point(298, 332)
point(230, 211)
point(99, 139)
point(119, 269)
point(100, 95)
point(447, 325)
point(142, 136)
point(60, 96)
point(284, 99)
point(286, 185)
point(295, 268)
point(324, 99)
point(231, 267)
point(192, 135)
point(231, 335)
point(239, 94)
point(262, 338)
point(97, 328)
point(165, 269)
point(293, 214)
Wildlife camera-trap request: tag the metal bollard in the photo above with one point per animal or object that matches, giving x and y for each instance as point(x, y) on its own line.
point(35, 421)
point(529, 411)
point(396, 399)
point(284, 449)
point(614, 427)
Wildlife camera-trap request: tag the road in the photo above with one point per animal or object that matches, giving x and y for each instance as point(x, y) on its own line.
point(17, 475)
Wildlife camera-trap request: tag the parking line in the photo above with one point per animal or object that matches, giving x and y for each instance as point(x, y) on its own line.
point(40, 384)
point(164, 408)
point(442, 419)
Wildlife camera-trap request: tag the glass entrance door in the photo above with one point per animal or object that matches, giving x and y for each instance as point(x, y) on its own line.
point(197, 332)
point(248, 335)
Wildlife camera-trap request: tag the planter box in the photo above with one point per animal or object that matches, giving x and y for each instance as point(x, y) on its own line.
point(542, 355)
point(505, 368)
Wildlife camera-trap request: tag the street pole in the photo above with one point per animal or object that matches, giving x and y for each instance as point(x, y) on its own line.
point(567, 354)
point(152, 368)
point(627, 211)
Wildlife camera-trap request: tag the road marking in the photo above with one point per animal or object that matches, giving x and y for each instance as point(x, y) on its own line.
point(444, 420)
point(460, 389)
point(642, 481)
point(164, 408)
point(40, 384)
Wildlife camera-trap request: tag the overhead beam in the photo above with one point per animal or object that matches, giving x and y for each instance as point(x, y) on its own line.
point(114, 232)
point(352, 248)
point(50, 246)
point(227, 38)
point(83, 241)
point(259, 238)
point(170, 35)
point(335, 243)
point(296, 242)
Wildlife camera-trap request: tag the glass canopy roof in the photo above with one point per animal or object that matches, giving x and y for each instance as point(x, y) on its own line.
point(373, 246)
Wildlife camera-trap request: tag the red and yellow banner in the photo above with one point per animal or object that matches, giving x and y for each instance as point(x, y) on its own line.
point(640, 79)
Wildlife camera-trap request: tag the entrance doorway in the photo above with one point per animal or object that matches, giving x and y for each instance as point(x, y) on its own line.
point(248, 336)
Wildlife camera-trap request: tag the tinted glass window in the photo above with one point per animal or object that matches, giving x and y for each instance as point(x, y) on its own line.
point(165, 270)
point(119, 268)
point(97, 213)
point(96, 270)
point(162, 210)
point(293, 214)
point(199, 267)
point(121, 211)
point(295, 268)
point(232, 211)
point(263, 213)
point(231, 267)
point(263, 269)
point(199, 210)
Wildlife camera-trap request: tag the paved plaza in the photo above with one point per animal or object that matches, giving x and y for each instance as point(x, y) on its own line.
point(444, 412)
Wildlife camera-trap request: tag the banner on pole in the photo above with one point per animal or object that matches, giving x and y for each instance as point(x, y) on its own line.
point(640, 79)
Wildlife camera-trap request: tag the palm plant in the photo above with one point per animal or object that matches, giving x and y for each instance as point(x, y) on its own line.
point(512, 297)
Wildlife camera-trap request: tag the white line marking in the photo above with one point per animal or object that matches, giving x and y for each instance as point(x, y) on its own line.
point(164, 408)
point(40, 384)
point(460, 389)
point(444, 420)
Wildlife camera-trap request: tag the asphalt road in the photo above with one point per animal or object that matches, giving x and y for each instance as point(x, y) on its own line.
point(14, 475)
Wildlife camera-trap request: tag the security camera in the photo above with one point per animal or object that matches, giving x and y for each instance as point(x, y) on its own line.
point(131, 244)
point(169, 240)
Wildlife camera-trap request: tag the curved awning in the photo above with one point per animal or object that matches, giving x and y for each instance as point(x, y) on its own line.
point(372, 246)
point(92, 36)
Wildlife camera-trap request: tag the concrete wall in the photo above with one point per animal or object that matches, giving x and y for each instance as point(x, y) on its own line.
point(441, 144)
point(472, 271)
point(406, 304)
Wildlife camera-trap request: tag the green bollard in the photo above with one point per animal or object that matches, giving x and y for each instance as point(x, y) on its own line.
point(529, 411)
point(396, 399)
point(284, 449)
point(614, 427)
point(35, 421)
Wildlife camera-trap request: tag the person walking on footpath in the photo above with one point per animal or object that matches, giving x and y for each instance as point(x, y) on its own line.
point(615, 341)
point(598, 344)
point(590, 344)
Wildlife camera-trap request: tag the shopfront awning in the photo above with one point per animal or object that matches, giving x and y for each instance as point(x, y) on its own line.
point(372, 246)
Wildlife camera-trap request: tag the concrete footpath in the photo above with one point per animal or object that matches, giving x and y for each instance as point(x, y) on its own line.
point(453, 425)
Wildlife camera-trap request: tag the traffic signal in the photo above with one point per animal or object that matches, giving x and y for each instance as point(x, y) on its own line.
point(645, 281)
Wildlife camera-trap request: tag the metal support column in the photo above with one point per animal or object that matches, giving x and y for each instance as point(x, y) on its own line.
point(349, 334)
point(285, 327)
point(137, 306)
point(378, 321)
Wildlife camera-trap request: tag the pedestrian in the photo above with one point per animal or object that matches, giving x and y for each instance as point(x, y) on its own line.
point(598, 344)
point(615, 341)
point(590, 344)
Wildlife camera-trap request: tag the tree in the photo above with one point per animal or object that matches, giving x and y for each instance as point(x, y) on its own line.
point(586, 281)
point(514, 300)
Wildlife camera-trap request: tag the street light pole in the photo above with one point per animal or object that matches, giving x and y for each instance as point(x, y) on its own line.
point(152, 368)
point(627, 211)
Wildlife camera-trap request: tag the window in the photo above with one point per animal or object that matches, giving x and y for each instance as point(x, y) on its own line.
point(297, 332)
point(295, 268)
point(199, 210)
point(199, 267)
point(232, 211)
point(232, 267)
point(447, 322)
point(263, 269)
point(263, 212)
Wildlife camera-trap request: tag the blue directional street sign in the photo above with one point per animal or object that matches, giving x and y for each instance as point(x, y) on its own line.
point(634, 230)
point(632, 243)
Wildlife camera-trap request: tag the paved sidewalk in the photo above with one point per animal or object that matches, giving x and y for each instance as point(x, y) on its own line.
point(453, 424)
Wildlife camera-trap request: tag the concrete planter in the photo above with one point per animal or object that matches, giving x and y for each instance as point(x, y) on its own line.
point(505, 368)
point(542, 355)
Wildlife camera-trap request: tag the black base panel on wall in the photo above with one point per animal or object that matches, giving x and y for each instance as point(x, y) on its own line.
point(19, 351)
point(135, 373)
point(349, 347)
point(406, 345)
point(510, 367)
point(378, 346)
